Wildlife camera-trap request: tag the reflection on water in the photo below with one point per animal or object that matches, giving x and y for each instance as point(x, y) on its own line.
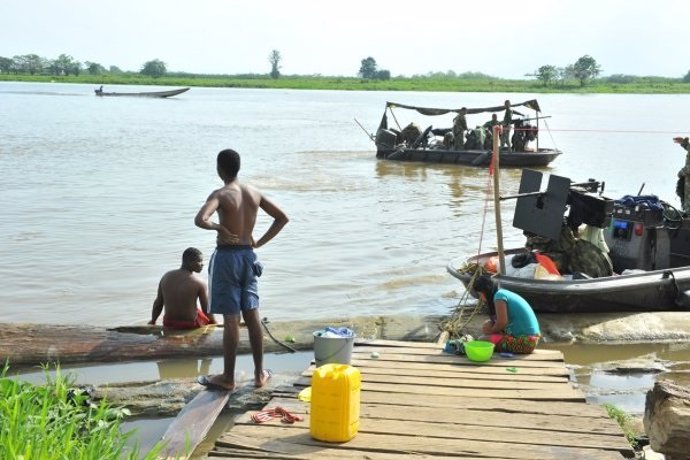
point(181, 368)
point(622, 374)
point(146, 371)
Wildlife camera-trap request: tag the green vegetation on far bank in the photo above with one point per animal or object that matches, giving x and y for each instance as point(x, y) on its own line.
point(633, 85)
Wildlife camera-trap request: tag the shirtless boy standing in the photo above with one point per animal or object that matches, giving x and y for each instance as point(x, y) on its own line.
point(178, 291)
point(234, 268)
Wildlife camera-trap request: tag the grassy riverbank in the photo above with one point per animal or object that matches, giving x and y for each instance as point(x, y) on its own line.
point(639, 85)
point(57, 420)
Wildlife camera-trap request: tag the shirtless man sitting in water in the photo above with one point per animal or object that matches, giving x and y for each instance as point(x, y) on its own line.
point(178, 291)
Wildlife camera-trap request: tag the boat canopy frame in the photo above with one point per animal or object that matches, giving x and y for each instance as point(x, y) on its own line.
point(532, 104)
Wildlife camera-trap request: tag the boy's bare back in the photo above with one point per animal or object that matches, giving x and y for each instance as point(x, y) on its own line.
point(238, 205)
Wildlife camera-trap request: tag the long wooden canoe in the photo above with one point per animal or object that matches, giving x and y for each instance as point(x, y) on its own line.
point(170, 93)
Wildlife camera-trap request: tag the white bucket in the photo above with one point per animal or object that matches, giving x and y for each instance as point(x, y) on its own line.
point(332, 349)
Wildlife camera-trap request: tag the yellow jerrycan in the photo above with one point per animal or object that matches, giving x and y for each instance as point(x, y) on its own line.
point(334, 406)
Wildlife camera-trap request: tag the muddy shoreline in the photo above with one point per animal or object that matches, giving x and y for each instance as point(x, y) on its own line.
point(33, 344)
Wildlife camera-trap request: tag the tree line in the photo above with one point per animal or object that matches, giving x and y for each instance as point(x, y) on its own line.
point(66, 65)
point(583, 71)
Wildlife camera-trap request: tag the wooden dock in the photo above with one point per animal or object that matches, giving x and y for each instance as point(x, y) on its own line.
point(417, 401)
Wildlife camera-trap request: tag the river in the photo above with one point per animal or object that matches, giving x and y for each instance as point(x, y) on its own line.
point(98, 197)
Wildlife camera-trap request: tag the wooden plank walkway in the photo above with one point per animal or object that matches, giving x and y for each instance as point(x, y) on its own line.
point(418, 402)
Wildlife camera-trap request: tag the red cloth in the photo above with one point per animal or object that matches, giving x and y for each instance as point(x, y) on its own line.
point(200, 321)
point(546, 262)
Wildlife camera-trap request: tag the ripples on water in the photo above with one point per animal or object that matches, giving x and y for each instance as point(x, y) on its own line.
point(98, 194)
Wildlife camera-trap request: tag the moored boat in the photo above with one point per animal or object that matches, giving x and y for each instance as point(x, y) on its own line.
point(649, 253)
point(467, 146)
point(169, 93)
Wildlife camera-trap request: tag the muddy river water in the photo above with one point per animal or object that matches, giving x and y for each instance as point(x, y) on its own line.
point(121, 179)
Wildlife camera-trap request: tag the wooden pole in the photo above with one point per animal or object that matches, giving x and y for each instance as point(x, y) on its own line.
point(497, 201)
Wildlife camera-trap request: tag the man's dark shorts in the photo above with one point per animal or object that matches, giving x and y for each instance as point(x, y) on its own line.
point(233, 284)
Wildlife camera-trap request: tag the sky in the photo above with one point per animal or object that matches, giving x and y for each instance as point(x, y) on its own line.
point(502, 38)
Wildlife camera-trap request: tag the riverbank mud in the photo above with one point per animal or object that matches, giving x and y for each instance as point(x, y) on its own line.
point(32, 344)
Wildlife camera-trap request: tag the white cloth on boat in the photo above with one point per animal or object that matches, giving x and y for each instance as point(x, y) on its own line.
point(594, 235)
point(523, 272)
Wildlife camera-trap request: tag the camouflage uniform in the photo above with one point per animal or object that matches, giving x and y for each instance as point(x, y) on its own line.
point(507, 124)
point(459, 128)
point(685, 173)
point(410, 133)
point(571, 254)
point(489, 127)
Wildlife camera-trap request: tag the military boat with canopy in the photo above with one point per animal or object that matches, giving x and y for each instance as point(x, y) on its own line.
point(459, 145)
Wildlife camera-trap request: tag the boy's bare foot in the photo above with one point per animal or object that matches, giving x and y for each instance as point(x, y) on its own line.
point(263, 378)
point(216, 382)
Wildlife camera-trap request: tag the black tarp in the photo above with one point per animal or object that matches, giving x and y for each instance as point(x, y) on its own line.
point(532, 104)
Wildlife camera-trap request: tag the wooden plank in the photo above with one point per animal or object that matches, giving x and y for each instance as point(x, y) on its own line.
point(396, 343)
point(455, 382)
point(464, 366)
point(249, 445)
point(549, 355)
point(268, 436)
point(489, 404)
point(458, 360)
point(395, 372)
point(562, 393)
point(193, 423)
point(417, 401)
point(444, 428)
point(434, 346)
point(597, 423)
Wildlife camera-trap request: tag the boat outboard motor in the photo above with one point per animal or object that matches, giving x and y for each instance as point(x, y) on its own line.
point(637, 237)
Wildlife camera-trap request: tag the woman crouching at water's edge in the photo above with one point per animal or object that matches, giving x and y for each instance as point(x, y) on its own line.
point(513, 326)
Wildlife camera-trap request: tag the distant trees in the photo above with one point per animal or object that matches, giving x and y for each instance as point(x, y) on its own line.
point(6, 64)
point(29, 63)
point(65, 65)
point(94, 68)
point(274, 58)
point(369, 70)
point(546, 74)
point(155, 68)
point(583, 70)
point(586, 68)
point(686, 78)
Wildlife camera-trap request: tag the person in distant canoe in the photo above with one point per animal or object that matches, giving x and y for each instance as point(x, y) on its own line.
point(513, 326)
point(683, 184)
point(459, 129)
point(178, 291)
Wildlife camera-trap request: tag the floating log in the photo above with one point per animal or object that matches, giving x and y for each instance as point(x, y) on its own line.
point(27, 345)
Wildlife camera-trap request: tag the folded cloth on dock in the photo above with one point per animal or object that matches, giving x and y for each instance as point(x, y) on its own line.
point(276, 412)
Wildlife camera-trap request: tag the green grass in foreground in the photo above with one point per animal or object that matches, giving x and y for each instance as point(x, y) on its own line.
point(469, 85)
point(57, 421)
